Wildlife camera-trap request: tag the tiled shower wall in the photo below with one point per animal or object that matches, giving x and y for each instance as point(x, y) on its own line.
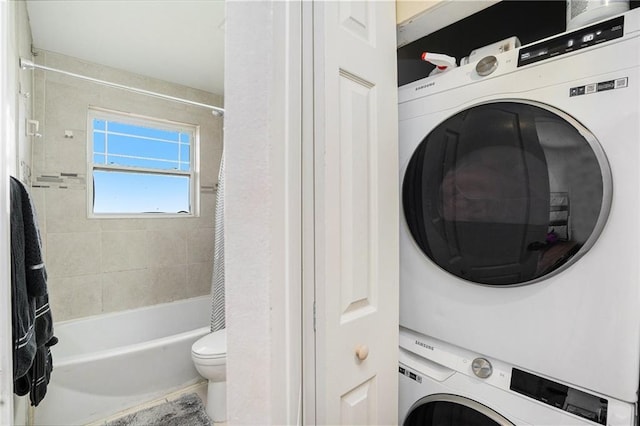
point(104, 265)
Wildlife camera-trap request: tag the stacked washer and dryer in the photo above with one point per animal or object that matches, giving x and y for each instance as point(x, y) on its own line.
point(520, 244)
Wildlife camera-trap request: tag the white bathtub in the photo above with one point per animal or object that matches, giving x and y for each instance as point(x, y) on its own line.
point(106, 363)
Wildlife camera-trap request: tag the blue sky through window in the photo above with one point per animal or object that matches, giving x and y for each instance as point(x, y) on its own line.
point(125, 192)
point(124, 149)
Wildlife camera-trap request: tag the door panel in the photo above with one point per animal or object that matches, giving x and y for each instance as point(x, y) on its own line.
point(359, 405)
point(356, 188)
point(356, 212)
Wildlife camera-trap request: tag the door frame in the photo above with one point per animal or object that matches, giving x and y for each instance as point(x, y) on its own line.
point(308, 220)
point(6, 133)
point(263, 155)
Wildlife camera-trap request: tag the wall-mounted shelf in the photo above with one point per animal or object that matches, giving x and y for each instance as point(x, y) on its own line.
point(455, 28)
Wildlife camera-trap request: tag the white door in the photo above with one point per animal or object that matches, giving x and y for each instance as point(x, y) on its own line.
point(356, 212)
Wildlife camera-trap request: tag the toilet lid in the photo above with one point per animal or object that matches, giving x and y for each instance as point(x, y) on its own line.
point(213, 345)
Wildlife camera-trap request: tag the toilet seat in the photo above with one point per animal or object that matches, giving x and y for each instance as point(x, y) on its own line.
point(210, 347)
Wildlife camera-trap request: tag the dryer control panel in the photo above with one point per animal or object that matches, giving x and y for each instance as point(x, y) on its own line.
point(570, 42)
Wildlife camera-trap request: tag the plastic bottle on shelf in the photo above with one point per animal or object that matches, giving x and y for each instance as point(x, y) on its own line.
point(442, 62)
point(584, 12)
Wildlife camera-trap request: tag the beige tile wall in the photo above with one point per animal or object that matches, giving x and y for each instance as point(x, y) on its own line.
point(105, 265)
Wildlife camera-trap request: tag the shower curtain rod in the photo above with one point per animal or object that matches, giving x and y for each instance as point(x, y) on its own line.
point(26, 64)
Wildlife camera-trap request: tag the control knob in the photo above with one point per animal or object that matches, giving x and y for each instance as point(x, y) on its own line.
point(482, 367)
point(487, 65)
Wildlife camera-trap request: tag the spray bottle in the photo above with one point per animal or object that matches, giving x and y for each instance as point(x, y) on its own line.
point(442, 62)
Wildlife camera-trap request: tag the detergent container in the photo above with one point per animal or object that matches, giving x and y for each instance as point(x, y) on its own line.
point(584, 12)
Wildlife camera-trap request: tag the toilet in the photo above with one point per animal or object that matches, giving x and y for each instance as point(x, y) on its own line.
point(209, 355)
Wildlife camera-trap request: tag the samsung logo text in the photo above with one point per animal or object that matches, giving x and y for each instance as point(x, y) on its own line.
point(424, 86)
point(424, 345)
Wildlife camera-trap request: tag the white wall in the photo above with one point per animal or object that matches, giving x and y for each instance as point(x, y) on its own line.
point(247, 211)
point(10, 74)
point(418, 18)
point(16, 158)
point(262, 211)
point(407, 9)
point(6, 125)
point(24, 101)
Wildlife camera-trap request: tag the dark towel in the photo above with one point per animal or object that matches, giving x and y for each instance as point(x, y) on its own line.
point(32, 321)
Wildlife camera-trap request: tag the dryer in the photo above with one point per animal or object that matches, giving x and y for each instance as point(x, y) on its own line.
point(520, 179)
point(444, 385)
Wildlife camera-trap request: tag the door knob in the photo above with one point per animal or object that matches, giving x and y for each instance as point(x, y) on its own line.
point(362, 352)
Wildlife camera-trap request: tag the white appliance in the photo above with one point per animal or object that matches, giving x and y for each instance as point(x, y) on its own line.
point(444, 385)
point(520, 178)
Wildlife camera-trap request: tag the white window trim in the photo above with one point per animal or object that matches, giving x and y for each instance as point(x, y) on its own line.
point(163, 124)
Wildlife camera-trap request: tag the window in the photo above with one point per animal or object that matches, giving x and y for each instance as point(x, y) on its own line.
point(140, 165)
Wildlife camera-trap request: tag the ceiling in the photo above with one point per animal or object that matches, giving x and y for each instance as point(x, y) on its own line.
point(181, 41)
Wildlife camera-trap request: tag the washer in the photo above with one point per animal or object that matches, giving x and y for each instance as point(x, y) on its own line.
point(520, 183)
point(444, 385)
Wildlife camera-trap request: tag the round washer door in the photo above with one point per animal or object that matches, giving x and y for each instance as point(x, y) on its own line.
point(506, 193)
point(452, 410)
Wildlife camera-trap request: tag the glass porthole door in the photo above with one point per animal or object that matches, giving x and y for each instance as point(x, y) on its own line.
point(506, 193)
point(452, 410)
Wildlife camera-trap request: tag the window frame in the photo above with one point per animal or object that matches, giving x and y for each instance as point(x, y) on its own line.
point(157, 123)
